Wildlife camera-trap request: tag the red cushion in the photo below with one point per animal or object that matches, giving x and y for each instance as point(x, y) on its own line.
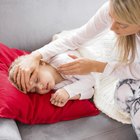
point(34, 108)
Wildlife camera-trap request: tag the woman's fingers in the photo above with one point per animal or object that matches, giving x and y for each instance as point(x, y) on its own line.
point(72, 56)
point(23, 85)
point(67, 65)
point(72, 72)
point(71, 66)
point(18, 82)
point(23, 71)
point(74, 69)
point(31, 79)
point(27, 79)
point(68, 70)
point(24, 78)
point(21, 78)
point(15, 73)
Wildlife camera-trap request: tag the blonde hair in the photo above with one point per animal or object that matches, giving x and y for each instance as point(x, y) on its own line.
point(127, 11)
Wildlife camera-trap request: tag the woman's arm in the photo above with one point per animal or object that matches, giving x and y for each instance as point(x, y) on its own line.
point(123, 71)
point(98, 23)
point(82, 66)
point(26, 69)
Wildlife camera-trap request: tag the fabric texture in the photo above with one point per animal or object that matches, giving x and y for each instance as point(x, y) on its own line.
point(127, 97)
point(34, 108)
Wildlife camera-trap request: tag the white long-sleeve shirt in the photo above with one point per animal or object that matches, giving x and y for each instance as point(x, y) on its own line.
point(98, 23)
point(73, 84)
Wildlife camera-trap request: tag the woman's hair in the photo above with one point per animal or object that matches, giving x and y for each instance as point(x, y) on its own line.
point(129, 12)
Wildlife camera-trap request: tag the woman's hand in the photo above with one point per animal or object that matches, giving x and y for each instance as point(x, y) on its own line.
point(25, 71)
point(81, 66)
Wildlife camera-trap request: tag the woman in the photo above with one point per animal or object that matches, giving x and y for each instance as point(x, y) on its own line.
point(120, 16)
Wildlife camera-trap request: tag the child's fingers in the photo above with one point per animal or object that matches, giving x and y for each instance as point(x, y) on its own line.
point(57, 101)
point(54, 102)
point(61, 104)
point(58, 98)
point(53, 96)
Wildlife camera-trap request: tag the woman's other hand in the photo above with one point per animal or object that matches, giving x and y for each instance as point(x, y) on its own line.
point(81, 66)
point(25, 71)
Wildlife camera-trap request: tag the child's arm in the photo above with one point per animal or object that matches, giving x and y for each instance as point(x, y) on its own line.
point(61, 96)
point(83, 86)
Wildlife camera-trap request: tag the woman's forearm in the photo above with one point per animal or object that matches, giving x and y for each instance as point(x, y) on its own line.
point(98, 66)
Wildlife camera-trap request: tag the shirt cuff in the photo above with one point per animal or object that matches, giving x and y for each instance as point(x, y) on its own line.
point(83, 95)
point(70, 91)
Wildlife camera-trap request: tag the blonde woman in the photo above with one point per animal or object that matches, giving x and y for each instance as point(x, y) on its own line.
point(120, 16)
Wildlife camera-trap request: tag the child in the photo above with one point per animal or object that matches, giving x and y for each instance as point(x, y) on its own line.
point(67, 87)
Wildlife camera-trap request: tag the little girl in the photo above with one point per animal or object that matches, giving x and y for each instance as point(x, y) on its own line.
point(48, 78)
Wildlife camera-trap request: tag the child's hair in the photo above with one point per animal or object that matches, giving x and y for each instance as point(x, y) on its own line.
point(129, 12)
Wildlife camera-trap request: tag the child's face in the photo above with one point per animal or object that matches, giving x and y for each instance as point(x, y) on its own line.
point(45, 80)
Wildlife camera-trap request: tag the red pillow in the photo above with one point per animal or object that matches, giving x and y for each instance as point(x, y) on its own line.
point(34, 108)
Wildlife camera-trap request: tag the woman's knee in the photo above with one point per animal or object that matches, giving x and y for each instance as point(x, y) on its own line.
point(123, 92)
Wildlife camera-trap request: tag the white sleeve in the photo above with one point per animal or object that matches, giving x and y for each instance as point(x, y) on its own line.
point(93, 27)
point(123, 71)
point(84, 87)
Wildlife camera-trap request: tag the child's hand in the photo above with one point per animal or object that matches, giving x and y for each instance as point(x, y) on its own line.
point(60, 97)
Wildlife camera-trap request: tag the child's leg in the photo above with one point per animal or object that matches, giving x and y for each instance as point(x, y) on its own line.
point(128, 99)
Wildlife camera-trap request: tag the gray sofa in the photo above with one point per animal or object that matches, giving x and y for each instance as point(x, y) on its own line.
point(30, 24)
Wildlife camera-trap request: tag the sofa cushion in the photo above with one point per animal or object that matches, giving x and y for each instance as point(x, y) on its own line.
point(9, 130)
point(34, 108)
point(100, 127)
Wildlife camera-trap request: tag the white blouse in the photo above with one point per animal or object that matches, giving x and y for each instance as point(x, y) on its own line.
point(98, 23)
